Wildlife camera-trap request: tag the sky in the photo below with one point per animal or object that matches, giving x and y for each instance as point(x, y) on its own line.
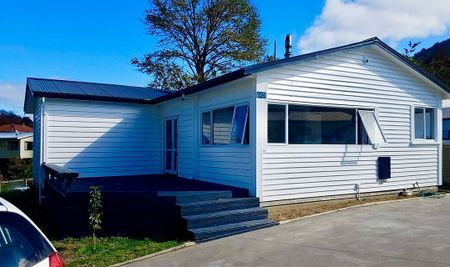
point(93, 40)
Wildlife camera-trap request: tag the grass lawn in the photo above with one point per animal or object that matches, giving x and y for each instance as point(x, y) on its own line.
point(81, 251)
point(108, 250)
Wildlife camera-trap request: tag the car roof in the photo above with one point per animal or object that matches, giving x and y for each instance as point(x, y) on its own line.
point(6, 206)
point(2, 207)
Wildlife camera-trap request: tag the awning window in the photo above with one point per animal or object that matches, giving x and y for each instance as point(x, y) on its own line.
point(372, 126)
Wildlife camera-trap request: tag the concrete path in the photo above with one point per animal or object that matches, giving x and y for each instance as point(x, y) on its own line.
point(409, 233)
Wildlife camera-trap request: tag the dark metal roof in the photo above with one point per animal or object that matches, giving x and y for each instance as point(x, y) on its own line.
point(246, 71)
point(121, 93)
point(52, 88)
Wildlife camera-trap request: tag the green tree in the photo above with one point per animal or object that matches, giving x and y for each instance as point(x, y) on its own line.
point(199, 40)
point(411, 49)
point(20, 168)
point(95, 211)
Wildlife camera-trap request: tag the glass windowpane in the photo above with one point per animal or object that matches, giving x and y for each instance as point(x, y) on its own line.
point(175, 133)
point(240, 117)
point(168, 160)
point(321, 125)
point(222, 125)
point(418, 123)
point(168, 134)
point(363, 138)
point(429, 123)
point(276, 124)
point(206, 128)
point(446, 129)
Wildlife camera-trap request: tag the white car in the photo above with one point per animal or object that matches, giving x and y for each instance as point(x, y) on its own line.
point(22, 243)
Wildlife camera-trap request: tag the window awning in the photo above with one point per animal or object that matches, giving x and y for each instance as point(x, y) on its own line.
point(372, 127)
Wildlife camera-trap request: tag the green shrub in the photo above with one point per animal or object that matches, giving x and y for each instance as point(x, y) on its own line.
point(19, 168)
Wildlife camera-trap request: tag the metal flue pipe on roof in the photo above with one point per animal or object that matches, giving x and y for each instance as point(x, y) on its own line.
point(288, 46)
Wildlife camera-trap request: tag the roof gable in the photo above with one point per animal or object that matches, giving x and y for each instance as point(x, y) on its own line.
point(249, 70)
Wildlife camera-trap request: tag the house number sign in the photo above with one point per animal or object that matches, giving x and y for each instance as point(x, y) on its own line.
point(262, 95)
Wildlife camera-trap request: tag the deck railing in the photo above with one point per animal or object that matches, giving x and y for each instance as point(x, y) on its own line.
point(59, 177)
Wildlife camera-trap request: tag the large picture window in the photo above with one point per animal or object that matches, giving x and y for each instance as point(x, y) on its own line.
point(424, 120)
point(322, 125)
point(319, 125)
point(226, 126)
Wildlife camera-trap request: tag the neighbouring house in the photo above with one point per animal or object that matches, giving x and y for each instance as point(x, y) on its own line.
point(12, 128)
point(16, 144)
point(358, 118)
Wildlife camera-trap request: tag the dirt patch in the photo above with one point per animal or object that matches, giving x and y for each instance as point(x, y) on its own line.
point(287, 212)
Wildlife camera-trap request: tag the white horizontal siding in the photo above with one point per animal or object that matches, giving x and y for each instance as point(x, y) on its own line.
point(342, 80)
point(184, 111)
point(227, 164)
point(104, 138)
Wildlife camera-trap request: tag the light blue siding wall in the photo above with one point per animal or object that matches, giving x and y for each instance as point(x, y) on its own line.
point(104, 138)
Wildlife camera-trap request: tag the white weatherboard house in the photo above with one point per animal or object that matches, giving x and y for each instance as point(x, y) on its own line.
point(317, 125)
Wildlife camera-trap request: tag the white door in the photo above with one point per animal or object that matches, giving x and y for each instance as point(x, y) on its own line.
point(171, 145)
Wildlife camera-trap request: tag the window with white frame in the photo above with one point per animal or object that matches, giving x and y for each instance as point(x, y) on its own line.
point(224, 126)
point(424, 123)
point(322, 125)
point(28, 146)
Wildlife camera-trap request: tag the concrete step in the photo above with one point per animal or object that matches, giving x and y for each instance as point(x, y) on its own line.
point(195, 196)
point(225, 217)
point(218, 205)
point(215, 232)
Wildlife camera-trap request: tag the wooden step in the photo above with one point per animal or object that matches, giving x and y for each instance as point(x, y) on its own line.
point(215, 232)
point(225, 217)
point(195, 196)
point(218, 205)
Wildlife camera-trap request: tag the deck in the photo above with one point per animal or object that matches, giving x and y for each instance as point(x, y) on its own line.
point(151, 184)
point(150, 205)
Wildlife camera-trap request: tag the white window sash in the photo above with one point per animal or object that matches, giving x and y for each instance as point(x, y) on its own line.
point(245, 125)
point(372, 126)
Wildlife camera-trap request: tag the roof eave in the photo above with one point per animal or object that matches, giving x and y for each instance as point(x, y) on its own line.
point(90, 97)
point(226, 78)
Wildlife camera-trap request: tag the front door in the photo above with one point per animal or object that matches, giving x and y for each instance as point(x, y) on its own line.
point(171, 145)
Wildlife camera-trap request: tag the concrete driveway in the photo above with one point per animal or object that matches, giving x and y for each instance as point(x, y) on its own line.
point(408, 233)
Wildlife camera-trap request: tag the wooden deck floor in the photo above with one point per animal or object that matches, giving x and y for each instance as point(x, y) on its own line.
point(149, 183)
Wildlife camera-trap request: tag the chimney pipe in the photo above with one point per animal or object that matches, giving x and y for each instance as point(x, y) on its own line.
point(288, 46)
point(275, 50)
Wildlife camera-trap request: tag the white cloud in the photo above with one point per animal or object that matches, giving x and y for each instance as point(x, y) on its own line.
point(12, 96)
point(344, 21)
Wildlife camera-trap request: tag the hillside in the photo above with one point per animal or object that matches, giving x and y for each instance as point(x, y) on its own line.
point(11, 118)
point(436, 60)
point(437, 50)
